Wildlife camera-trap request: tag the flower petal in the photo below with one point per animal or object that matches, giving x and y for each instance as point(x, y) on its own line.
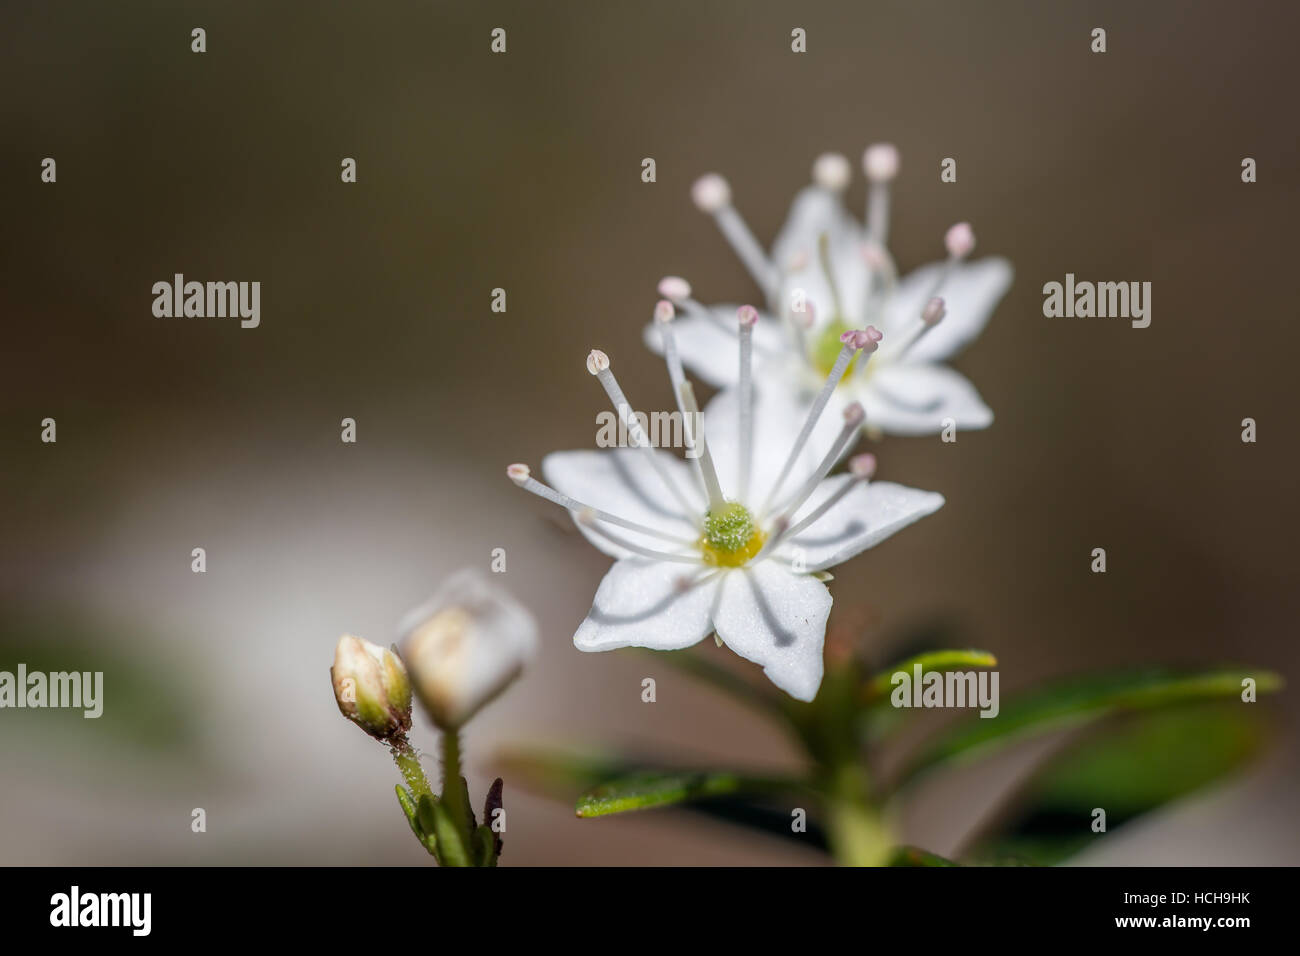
point(709, 348)
point(816, 212)
point(914, 399)
point(777, 619)
point(861, 519)
point(620, 481)
point(970, 294)
point(780, 410)
point(643, 603)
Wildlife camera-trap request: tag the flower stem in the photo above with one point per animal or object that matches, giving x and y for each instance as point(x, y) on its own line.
point(453, 794)
point(857, 834)
point(408, 762)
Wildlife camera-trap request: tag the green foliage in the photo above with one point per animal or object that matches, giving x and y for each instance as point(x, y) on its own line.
point(643, 791)
point(1133, 766)
point(1074, 703)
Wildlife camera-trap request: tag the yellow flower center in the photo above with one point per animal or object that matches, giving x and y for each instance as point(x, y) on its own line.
point(730, 538)
point(826, 349)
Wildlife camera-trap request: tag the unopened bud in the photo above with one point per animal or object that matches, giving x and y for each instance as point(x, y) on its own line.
point(371, 688)
point(465, 646)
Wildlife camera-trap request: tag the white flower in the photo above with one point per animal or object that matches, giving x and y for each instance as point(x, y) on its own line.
point(465, 645)
point(744, 564)
point(826, 274)
point(371, 688)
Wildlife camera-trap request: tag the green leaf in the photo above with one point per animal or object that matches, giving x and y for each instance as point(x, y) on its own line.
point(1077, 702)
point(484, 847)
point(946, 660)
point(1133, 766)
point(452, 850)
point(470, 822)
point(409, 808)
point(425, 813)
point(643, 791)
point(564, 775)
point(915, 856)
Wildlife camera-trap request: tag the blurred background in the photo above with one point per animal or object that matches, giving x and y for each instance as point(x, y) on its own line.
point(522, 171)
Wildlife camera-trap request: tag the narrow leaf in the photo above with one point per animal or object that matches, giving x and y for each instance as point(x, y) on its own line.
point(563, 775)
point(644, 791)
point(1077, 702)
point(946, 660)
point(408, 807)
point(425, 813)
point(1131, 768)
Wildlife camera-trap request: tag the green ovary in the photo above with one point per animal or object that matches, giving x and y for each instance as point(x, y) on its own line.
point(826, 348)
point(730, 538)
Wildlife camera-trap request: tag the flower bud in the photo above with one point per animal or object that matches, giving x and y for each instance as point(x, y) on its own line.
point(465, 645)
point(371, 688)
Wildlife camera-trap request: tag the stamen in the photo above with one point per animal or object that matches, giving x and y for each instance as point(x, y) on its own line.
point(802, 322)
point(931, 315)
point(678, 291)
point(861, 467)
point(960, 242)
point(664, 314)
point(853, 416)
point(588, 520)
point(881, 271)
point(674, 288)
point(598, 365)
point(880, 163)
point(664, 320)
point(831, 171)
point(779, 526)
point(712, 195)
point(700, 444)
point(747, 315)
point(854, 341)
point(521, 475)
point(824, 254)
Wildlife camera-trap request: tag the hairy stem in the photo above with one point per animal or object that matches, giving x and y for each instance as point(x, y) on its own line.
point(408, 762)
point(453, 795)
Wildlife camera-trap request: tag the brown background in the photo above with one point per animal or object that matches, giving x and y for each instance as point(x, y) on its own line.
point(523, 171)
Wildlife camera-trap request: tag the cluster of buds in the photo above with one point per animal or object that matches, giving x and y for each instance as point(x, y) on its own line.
point(458, 652)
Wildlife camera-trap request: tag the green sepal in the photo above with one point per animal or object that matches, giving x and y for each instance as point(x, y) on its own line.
point(484, 845)
point(470, 822)
point(452, 850)
point(409, 809)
